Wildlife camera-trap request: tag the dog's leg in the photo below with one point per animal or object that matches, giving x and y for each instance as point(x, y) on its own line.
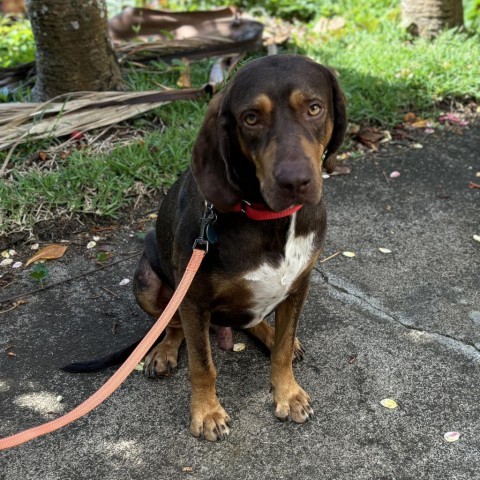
point(208, 418)
point(265, 333)
point(290, 399)
point(153, 295)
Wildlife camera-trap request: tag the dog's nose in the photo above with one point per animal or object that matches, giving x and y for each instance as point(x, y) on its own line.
point(295, 181)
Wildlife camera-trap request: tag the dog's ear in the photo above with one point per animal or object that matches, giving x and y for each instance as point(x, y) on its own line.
point(339, 123)
point(210, 159)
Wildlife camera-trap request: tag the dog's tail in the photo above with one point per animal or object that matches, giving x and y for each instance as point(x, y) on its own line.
point(110, 360)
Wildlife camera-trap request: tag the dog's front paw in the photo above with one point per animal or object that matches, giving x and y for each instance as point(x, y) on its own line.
point(292, 402)
point(212, 424)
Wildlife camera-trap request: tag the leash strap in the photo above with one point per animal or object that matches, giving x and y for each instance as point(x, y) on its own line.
point(124, 371)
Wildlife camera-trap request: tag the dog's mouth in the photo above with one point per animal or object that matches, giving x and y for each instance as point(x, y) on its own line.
point(278, 198)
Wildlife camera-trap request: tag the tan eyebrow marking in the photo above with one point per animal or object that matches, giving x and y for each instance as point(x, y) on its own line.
point(297, 99)
point(263, 103)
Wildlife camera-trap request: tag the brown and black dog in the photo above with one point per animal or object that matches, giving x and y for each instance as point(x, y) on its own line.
point(264, 140)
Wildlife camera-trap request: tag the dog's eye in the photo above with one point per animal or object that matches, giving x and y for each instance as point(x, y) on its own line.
point(250, 119)
point(314, 109)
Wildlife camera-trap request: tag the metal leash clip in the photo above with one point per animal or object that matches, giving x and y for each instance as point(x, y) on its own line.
point(209, 217)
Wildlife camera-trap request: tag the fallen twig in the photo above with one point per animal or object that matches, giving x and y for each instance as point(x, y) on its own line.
point(330, 257)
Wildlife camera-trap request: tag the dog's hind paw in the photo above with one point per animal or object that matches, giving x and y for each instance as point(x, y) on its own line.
point(160, 362)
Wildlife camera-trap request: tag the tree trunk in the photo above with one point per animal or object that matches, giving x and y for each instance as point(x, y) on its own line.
point(428, 17)
point(74, 50)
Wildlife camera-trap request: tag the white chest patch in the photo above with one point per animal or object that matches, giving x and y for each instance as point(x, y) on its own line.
point(270, 284)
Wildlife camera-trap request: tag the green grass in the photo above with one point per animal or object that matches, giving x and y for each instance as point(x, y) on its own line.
point(101, 184)
point(385, 73)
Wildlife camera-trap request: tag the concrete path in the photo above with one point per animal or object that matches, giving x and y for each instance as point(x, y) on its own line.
point(404, 325)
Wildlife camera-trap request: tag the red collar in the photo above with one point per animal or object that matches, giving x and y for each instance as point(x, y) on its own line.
point(257, 211)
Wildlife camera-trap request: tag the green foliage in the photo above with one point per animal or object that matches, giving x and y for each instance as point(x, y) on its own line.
point(300, 10)
point(472, 14)
point(39, 273)
point(16, 42)
point(384, 71)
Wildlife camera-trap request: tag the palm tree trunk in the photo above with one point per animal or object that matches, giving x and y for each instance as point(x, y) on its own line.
point(428, 17)
point(74, 50)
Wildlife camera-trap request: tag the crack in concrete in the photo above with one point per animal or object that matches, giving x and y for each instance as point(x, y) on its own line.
point(349, 293)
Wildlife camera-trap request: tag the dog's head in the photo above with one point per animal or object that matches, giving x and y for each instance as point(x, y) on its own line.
point(266, 136)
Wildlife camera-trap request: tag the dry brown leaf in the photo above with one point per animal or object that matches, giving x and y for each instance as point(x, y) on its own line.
point(370, 137)
point(184, 80)
point(410, 117)
point(50, 252)
point(420, 124)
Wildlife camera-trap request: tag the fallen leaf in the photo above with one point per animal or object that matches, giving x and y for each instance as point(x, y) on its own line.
point(5, 254)
point(77, 135)
point(12, 253)
point(477, 174)
point(451, 436)
point(429, 131)
point(17, 265)
point(325, 175)
point(417, 145)
point(387, 136)
point(370, 137)
point(50, 252)
point(153, 216)
point(238, 347)
point(420, 123)
point(349, 254)
point(389, 403)
point(476, 238)
point(96, 239)
point(410, 117)
point(91, 244)
point(325, 24)
point(187, 469)
point(139, 367)
point(59, 399)
point(125, 281)
point(341, 170)
point(384, 250)
point(6, 262)
point(35, 246)
point(11, 354)
point(394, 174)
point(452, 118)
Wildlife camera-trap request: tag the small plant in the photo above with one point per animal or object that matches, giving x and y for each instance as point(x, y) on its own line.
point(103, 256)
point(39, 273)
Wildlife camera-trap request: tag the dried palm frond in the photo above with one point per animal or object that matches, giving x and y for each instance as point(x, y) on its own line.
point(79, 111)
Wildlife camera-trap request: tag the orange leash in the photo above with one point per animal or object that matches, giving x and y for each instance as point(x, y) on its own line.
point(124, 371)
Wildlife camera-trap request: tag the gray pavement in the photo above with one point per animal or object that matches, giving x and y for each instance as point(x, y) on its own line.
point(404, 325)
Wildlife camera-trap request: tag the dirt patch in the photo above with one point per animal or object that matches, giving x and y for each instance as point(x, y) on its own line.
point(68, 228)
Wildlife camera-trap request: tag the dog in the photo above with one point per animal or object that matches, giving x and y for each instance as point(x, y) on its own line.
point(257, 164)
